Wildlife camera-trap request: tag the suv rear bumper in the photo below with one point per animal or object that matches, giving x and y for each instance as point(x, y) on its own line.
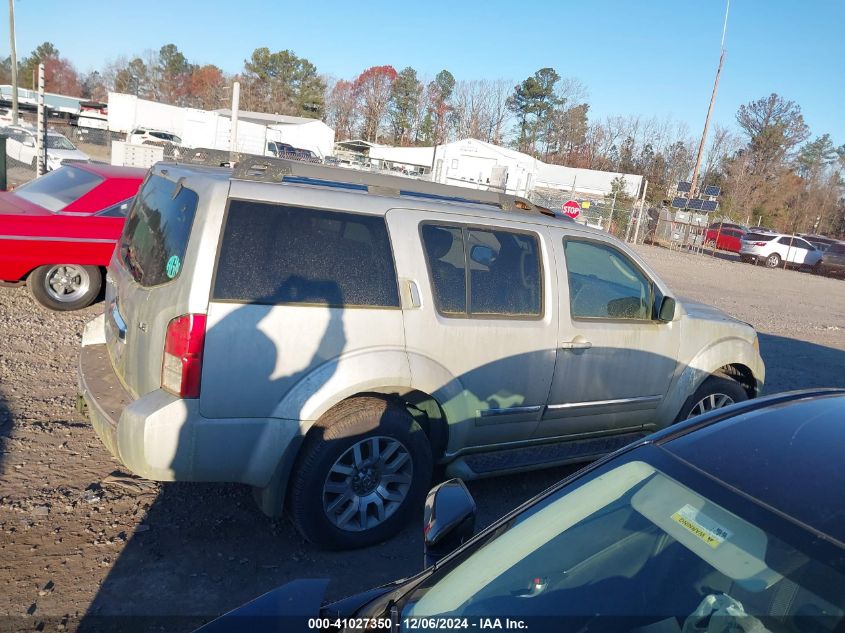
point(164, 438)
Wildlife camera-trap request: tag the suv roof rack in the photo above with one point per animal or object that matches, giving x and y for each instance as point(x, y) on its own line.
point(271, 169)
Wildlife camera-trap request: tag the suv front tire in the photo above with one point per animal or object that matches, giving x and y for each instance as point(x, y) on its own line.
point(363, 470)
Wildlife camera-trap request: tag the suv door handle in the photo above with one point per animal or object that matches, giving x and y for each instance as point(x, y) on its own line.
point(576, 344)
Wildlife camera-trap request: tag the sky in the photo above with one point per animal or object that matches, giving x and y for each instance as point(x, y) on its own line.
point(636, 57)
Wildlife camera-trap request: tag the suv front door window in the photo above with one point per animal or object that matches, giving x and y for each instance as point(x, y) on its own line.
point(614, 360)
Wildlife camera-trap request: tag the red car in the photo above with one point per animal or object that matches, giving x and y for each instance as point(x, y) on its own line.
point(57, 232)
point(728, 239)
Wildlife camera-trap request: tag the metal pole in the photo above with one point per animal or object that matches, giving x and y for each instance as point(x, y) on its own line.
point(14, 61)
point(3, 181)
point(233, 133)
point(640, 216)
point(718, 235)
point(41, 136)
point(612, 207)
point(700, 155)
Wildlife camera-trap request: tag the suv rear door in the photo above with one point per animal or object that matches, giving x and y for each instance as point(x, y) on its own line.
point(614, 361)
point(153, 277)
point(484, 341)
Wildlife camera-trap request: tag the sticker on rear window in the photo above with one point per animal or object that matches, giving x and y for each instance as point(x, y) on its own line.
point(173, 265)
point(702, 526)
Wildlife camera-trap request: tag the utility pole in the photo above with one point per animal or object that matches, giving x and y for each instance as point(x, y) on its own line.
point(700, 155)
point(41, 140)
point(233, 133)
point(14, 60)
point(640, 214)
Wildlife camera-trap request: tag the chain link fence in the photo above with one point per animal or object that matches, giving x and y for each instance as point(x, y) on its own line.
point(617, 217)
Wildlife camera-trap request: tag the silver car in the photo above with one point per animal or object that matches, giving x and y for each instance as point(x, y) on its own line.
point(773, 249)
point(328, 336)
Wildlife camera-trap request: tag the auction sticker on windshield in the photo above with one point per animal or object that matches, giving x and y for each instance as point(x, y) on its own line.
point(702, 526)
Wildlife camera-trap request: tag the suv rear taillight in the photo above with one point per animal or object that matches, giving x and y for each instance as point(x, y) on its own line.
point(181, 367)
point(759, 243)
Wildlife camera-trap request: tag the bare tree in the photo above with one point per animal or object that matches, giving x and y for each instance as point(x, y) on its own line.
point(469, 110)
point(723, 144)
point(342, 108)
point(499, 92)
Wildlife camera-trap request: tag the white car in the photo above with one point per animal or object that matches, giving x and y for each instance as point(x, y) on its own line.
point(140, 135)
point(775, 248)
point(22, 147)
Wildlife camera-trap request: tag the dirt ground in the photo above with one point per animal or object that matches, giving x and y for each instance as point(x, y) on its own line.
point(82, 545)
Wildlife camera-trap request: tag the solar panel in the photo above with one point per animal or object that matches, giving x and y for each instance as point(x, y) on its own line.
point(679, 203)
point(684, 186)
point(712, 190)
point(709, 205)
point(695, 204)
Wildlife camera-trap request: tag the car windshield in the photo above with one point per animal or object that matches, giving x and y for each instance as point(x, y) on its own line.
point(57, 141)
point(57, 189)
point(637, 544)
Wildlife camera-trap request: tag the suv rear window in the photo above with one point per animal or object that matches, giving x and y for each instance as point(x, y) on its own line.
point(156, 233)
point(277, 254)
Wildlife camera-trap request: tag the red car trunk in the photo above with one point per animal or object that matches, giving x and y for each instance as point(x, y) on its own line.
point(41, 226)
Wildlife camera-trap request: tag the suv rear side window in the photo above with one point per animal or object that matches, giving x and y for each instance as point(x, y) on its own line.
point(759, 237)
point(156, 233)
point(604, 283)
point(504, 271)
point(276, 254)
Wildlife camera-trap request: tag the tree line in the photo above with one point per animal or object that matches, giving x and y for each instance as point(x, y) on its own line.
point(769, 166)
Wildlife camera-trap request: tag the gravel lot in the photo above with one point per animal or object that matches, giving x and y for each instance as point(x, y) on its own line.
point(80, 541)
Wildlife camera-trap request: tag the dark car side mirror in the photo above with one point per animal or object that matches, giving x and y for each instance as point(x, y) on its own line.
point(448, 519)
point(667, 310)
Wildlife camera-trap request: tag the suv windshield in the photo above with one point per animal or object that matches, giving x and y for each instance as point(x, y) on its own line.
point(155, 237)
point(57, 141)
point(635, 543)
point(57, 189)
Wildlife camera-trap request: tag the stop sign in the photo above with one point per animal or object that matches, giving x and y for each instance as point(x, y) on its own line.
point(572, 209)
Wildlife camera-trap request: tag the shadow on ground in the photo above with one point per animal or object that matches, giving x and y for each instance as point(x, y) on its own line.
point(205, 548)
point(5, 430)
point(793, 364)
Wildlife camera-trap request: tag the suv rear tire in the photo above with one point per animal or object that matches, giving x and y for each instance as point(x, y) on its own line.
point(65, 286)
point(714, 393)
point(773, 261)
point(363, 471)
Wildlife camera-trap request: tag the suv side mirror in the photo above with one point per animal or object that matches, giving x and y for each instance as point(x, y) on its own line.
point(448, 519)
point(667, 310)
